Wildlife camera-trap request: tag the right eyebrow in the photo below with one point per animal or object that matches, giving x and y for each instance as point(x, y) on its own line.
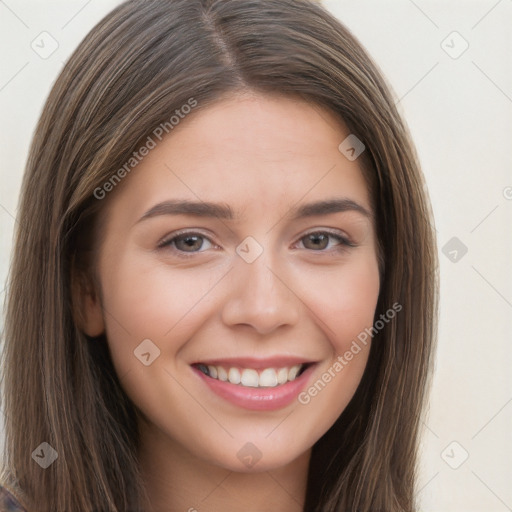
point(197, 209)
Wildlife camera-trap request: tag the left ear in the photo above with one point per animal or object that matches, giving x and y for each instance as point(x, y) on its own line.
point(87, 308)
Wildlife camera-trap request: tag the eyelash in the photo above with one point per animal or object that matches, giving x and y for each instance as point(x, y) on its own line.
point(344, 242)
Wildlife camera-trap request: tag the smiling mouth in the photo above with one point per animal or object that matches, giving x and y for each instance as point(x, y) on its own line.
point(249, 377)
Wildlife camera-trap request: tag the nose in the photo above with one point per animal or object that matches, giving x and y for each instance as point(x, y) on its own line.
point(259, 296)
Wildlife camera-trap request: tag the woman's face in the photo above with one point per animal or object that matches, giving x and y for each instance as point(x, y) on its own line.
point(239, 248)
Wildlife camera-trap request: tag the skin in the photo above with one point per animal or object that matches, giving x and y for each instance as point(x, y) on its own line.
point(262, 155)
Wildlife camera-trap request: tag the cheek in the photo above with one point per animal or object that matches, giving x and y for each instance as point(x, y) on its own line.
point(353, 308)
point(143, 299)
point(345, 301)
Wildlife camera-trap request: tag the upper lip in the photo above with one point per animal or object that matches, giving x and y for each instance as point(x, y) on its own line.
point(256, 363)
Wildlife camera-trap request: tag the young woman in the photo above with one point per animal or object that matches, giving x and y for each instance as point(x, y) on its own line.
point(223, 291)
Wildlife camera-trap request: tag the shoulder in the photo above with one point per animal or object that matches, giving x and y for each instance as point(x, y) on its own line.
point(8, 502)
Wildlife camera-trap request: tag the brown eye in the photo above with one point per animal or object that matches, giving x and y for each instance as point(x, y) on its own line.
point(186, 243)
point(320, 240)
point(316, 241)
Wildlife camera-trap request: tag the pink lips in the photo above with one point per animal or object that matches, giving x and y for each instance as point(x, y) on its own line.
point(257, 399)
point(257, 364)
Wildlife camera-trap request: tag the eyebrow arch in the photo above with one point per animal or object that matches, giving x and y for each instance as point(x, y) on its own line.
point(329, 206)
point(224, 211)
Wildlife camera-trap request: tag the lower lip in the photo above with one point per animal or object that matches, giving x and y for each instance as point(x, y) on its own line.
point(258, 399)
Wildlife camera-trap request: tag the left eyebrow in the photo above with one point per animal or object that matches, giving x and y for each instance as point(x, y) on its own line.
point(327, 207)
point(223, 211)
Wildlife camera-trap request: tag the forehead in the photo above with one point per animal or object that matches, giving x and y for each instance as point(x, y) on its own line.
point(247, 150)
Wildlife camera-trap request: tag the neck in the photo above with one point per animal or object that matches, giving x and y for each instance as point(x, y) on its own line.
point(177, 480)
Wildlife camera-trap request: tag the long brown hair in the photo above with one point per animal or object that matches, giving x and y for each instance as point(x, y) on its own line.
point(143, 61)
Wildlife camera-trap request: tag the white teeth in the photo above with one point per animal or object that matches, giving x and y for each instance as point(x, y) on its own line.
point(268, 378)
point(282, 375)
point(248, 377)
point(234, 376)
point(293, 372)
point(222, 374)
